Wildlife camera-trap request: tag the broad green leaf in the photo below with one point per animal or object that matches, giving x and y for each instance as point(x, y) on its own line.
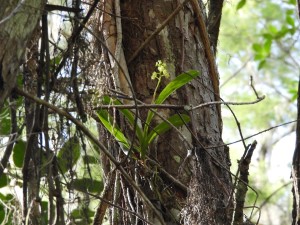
point(267, 46)
point(240, 4)
point(268, 36)
point(174, 85)
point(87, 184)
point(2, 213)
point(290, 21)
point(4, 180)
point(257, 47)
point(163, 127)
point(290, 12)
point(44, 212)
point(282, 32)
point(261, 64)
point(5, 126)
point(113, 129)
point(259, 57)
point(69, 154)
point(18, 153)
point(128, 115)
point(272, 29)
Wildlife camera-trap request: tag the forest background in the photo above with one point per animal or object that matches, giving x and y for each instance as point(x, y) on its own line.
point(259, 41)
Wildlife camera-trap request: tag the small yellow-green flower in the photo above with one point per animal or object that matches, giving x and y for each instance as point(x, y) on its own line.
point(154, 75)
point(162, 70)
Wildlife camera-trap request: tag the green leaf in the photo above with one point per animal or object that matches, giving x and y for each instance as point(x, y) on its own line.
point(174, 85)
point(268, 36)
point(4, 180)
point(259, 57)
point(267, 47)
point(87, 184)
point(240, 4)
point(106, 120)
point(18, 153)
point(54, 62)
point(261, 64)
point(69, 154)
point(163, 127)
point(283, 32)
point(2, 213)
point(5, 126)
point(44, 212)
point(257, 47)
point(290, 21)
point(128, 115)
point(272, 29)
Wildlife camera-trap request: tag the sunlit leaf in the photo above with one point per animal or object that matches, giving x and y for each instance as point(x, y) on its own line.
point(267, 47)
point(261, 64)
point(107, 121)
point(259, 57)
point(241, 4)
point(290, 21)
point(127, 113)
point(69, 154)
point(18, 153)
point(174, 85)
point(257, 47)
point(272, 29)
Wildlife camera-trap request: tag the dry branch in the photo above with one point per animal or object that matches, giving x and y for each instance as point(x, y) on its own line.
point(242, 185)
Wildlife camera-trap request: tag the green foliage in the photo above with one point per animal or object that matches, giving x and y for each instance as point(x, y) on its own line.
point(144, 136)
point(2, 213)
point(88, 159)
point(241, 4)
point(88, 185)
point(18, 153)
point(5, 212)
point(5, 124)
point(4, 180)
point(80, 215)
point(44, 212)
point(69, 154)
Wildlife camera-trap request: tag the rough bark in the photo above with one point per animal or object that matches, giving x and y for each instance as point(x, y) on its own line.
point(18, 19)
point(181, 46)
point(296, 170)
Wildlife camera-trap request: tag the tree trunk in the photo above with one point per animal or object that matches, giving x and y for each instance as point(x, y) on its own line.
point(183, 46)
point(17, 22)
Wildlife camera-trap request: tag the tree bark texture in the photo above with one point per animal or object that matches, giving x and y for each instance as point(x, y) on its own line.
point(18, 20)
point(180, 44)
point(296, 170)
